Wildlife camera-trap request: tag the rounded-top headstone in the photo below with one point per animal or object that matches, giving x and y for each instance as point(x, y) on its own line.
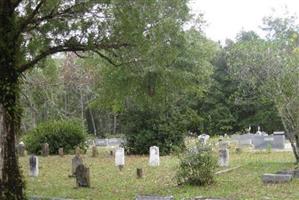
point(154, 159)
point(120, 156)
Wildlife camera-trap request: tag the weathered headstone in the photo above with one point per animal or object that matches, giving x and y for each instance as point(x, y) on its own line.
point(82, 176)
point(120, 157)
point(223, 157)
point(223, 144)
point(94, 150)
point(203, 139)
point(21, 149)
point(77, 151)
point(45, 149)
point(76, 161)
point(60, 152)
point(33, 166)
point(154, 159)
point(139, 172)
point(139, 197)
point(238, 150)
point(276, 178)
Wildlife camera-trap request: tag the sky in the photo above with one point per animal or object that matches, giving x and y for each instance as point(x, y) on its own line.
point(226, 18)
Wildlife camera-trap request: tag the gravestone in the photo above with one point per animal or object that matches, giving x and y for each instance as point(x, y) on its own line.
point(276, 178)
point(139, 172)
point(94, 150)
point(82, 176)
point(223, 144)
point(21, 149)
point(60, 152)
point(33, 166)
point(223, 157)
point(77, 151)
point(76, 161)
point(154, 198)
point(279, 140)
point(203, 139)
point(120, 157)
point(154, 159)
point(45, 149)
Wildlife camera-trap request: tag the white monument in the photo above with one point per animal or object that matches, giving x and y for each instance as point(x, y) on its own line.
point(120, 156)
point(33, 166)
point(154, 159)
point(203, 138)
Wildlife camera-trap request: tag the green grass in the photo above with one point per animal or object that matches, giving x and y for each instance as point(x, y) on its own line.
point(108, 183)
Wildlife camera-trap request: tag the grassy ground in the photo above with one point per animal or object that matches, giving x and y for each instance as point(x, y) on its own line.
point(108, 183)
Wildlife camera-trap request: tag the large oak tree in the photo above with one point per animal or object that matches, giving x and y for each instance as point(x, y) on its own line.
point(32, 30)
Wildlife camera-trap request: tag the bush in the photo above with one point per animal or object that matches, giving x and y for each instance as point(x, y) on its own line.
point(67, 134)
point(146, 128)
point(197, 167)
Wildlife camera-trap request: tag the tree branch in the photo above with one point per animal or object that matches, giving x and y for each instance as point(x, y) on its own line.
point(71, 48)
point(30, 17)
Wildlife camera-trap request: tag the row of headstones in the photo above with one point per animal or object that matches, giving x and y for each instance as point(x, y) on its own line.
point(45, 149)
point(82, 173)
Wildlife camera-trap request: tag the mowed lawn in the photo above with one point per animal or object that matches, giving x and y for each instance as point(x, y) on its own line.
point(108, 183)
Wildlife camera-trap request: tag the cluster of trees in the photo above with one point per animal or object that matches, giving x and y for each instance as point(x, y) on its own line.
point(142, 74)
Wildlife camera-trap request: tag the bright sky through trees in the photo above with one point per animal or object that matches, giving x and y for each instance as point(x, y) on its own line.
point(225, 18)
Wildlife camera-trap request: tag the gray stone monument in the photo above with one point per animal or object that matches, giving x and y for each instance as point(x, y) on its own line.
point(21, 149)
point(33, 166)
point(276, 178)
point(223, 157)
point(149, 197)
point(60, 152)
point(76, 161)
point(45, 149)
point(82, 176)
point(94, 150)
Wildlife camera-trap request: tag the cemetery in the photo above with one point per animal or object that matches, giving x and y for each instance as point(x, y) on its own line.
point(151, 177)
point(149, 100)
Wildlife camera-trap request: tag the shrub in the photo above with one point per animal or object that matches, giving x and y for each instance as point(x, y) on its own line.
point(197, 167)
point(146, 128)
point(67, 134)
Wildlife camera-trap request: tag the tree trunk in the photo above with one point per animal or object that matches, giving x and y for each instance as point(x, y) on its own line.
point(11, 183)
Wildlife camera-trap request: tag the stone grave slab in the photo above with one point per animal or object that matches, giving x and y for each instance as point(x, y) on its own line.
point(276, 178)
point(150, 197)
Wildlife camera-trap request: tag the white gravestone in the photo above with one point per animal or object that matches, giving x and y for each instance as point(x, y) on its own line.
point(33, 165)
point(120, 157)
point(154, 159)
point(203, 138)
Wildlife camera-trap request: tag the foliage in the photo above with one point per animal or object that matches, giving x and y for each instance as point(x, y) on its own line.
point(270, 66)
point(144, 128)
point(197, 167)
point(67, 134)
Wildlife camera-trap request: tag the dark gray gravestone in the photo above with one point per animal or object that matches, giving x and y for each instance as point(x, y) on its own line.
point(82, 176)
point(276, 178)
point(154, 198)
point(33, 165)
point(76, 161)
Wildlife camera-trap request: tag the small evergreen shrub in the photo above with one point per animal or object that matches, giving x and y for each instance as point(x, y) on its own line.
point(67, 134)
point(197, 167)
